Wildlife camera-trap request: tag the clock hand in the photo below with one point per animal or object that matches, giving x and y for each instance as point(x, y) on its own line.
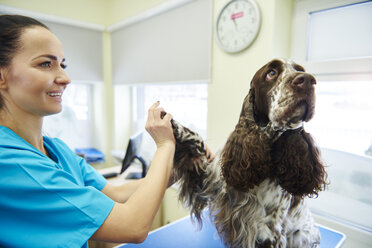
point(235, 25)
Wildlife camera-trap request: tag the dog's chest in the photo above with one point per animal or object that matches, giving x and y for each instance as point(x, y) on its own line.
point(273, 201)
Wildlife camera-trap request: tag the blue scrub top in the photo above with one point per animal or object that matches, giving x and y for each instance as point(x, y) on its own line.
point(47, 202)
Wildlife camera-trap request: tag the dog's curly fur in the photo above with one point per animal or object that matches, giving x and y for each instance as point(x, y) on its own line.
point(256, 185)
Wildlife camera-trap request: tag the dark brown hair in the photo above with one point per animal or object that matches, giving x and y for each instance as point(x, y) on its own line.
point(11, 28)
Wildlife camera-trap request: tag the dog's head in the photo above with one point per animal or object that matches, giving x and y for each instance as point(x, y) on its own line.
point(283, 94)
point(281, 98)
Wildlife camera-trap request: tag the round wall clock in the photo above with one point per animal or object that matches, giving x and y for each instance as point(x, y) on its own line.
point(237, 25)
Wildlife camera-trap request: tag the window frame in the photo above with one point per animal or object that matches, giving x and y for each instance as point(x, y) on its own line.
point(326, 70)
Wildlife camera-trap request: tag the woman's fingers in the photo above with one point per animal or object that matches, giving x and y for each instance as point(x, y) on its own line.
point(154, 105)
point(167, 117)
point(153, 115)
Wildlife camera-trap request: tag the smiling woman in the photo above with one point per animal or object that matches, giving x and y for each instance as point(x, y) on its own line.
point(68, 201)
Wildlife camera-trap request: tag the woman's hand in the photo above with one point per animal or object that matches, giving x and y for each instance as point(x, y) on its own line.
point(160, 128)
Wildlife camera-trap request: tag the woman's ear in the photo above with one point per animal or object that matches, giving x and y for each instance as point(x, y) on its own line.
point(2, 78)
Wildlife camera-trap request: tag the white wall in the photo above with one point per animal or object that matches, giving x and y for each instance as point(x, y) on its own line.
point(232, 73)
point(93, 11)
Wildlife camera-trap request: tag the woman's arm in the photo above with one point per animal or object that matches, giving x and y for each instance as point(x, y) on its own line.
point(131, 221)
point(121, 193)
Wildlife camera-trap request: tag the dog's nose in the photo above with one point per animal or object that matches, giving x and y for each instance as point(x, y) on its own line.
point(304, 80)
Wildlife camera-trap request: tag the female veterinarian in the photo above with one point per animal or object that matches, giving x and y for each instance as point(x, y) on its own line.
point(49, 197)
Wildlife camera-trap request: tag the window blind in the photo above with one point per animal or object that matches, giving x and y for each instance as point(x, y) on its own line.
point(341, 33)
point(174, 46)
point(82, 48)
point(81, 42)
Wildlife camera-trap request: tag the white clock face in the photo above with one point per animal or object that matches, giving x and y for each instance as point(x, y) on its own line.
point(237, 25)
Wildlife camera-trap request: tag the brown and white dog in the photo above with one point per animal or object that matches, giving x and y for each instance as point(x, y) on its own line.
point(256, 186)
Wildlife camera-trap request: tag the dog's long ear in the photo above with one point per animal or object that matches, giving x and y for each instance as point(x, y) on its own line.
point(245, 159)
point(297, 164)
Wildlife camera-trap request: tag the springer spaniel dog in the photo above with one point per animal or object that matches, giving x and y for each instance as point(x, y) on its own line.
point(255, 188)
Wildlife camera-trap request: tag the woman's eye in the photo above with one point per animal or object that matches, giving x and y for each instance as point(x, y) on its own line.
point(271, 74)
point(47, 64)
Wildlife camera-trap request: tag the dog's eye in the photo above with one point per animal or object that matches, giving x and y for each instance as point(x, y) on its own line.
point(271, 74)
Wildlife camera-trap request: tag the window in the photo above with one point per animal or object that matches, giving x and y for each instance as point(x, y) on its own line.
point(186, 102)
point(336, 33)
point(343, 116)
point(343, 120)
point(332, 40)
point(73, 124)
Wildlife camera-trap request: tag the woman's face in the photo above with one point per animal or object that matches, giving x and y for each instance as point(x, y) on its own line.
point(35, 80)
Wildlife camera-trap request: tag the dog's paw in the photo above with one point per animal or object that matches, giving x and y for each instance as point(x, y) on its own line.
point(188, 140)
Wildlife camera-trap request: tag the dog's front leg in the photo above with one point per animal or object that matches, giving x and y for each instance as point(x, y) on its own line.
point(190, 163)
